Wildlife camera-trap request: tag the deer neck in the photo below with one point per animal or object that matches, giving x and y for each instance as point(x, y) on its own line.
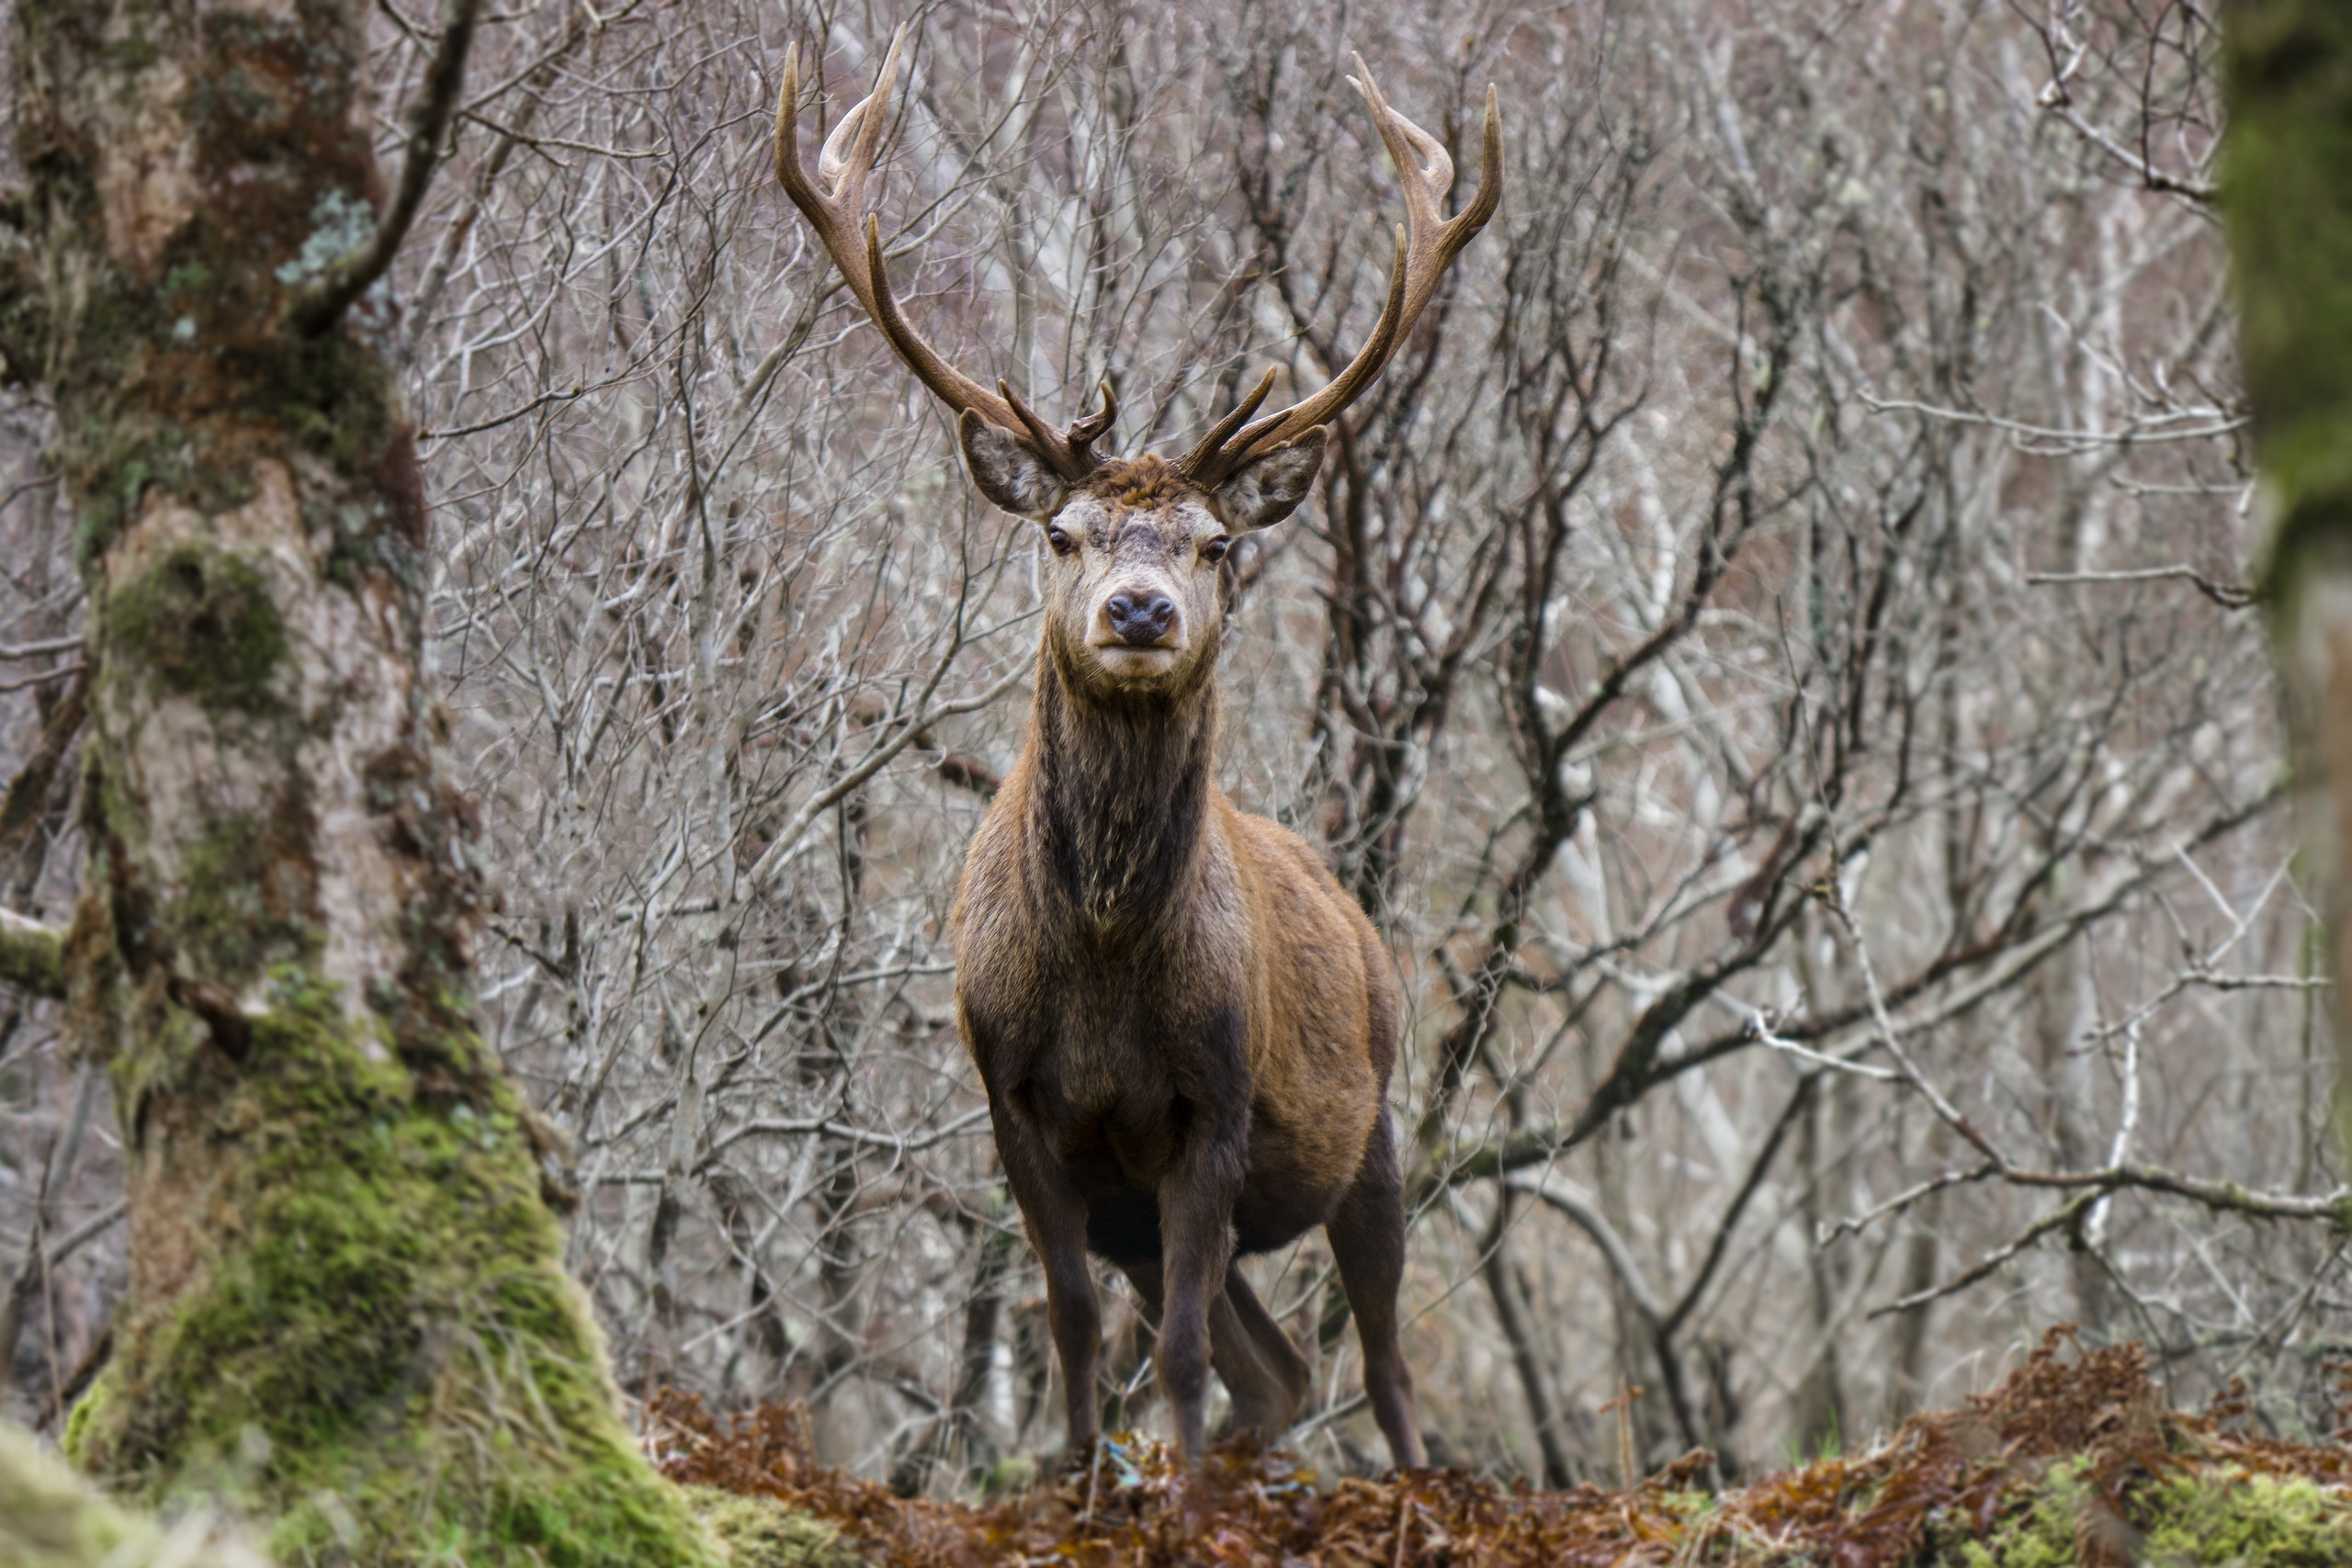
point(1122, 795)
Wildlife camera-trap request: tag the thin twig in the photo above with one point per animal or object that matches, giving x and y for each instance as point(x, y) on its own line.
point(2229, 595)
point(2052, 441)
point(2059, 1219)
point(895, 1143)
point(42, 677)
point(37, 649)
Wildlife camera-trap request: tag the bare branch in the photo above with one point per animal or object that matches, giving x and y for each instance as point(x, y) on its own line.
point(32, 956)
point(321, 303)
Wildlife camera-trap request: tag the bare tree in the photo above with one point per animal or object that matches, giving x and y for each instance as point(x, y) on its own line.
point(1773, 657)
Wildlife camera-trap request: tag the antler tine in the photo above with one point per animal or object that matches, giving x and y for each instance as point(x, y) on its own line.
point(1214, 442)
point(846, 160)
point(835, 206)
point(844, 165)
point(1044, 438)
point(1083, 434)
point(1094, 426)
point(1426, 247)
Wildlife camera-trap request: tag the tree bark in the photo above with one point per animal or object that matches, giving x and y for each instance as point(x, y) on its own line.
point(2287, 200)
point(345, 1290)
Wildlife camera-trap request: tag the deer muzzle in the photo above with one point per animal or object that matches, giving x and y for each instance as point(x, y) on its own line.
point(1139, 617)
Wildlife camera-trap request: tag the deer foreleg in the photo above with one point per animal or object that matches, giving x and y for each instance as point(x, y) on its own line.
point(1056, 1217)
point(1195, 1243)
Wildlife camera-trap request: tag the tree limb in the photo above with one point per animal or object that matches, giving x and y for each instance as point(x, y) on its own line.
point(32, 956)
point(323, 303)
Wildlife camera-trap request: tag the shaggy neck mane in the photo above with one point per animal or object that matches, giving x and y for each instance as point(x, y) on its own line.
point(1121, 798)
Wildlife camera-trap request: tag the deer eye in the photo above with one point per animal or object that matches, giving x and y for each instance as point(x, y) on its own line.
point(1214, 551)
point(1063, 544)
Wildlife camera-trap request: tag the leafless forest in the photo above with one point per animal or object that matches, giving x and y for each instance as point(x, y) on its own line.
point(1771, 657)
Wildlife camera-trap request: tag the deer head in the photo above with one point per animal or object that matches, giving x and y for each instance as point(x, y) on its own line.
point(1136, 542)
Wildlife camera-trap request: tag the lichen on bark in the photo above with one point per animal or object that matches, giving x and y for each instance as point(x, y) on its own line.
point(346, 1308)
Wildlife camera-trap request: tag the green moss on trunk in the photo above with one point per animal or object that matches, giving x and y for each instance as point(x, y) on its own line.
point(32, 956)
point(381, 1351)
point(203, 623)
point(2288, 199)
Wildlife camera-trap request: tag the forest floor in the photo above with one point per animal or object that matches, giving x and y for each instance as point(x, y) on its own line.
point(2073, 1463)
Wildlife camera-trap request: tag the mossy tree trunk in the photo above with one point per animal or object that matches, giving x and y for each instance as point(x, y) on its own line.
point(346, 1295)
point(2286, 200)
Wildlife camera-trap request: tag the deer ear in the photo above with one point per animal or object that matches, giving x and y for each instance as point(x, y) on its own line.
point(1009, 471)
point(1268, 487)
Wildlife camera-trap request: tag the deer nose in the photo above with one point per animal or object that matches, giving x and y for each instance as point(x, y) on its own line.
point(1139, 617)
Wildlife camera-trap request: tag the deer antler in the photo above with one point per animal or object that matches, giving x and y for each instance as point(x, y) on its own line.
point(836, 209)
point(1425, 248)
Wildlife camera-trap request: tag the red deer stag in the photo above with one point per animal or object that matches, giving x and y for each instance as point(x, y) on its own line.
point(1184, 1026)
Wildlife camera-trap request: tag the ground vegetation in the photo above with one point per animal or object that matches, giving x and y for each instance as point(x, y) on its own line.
point(2074, 1461)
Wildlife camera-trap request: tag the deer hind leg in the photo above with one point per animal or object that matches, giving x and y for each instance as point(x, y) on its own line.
point(1253, 1358)
point(1056, 1217)
point(1368, 1243)
point(1262, 1370)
